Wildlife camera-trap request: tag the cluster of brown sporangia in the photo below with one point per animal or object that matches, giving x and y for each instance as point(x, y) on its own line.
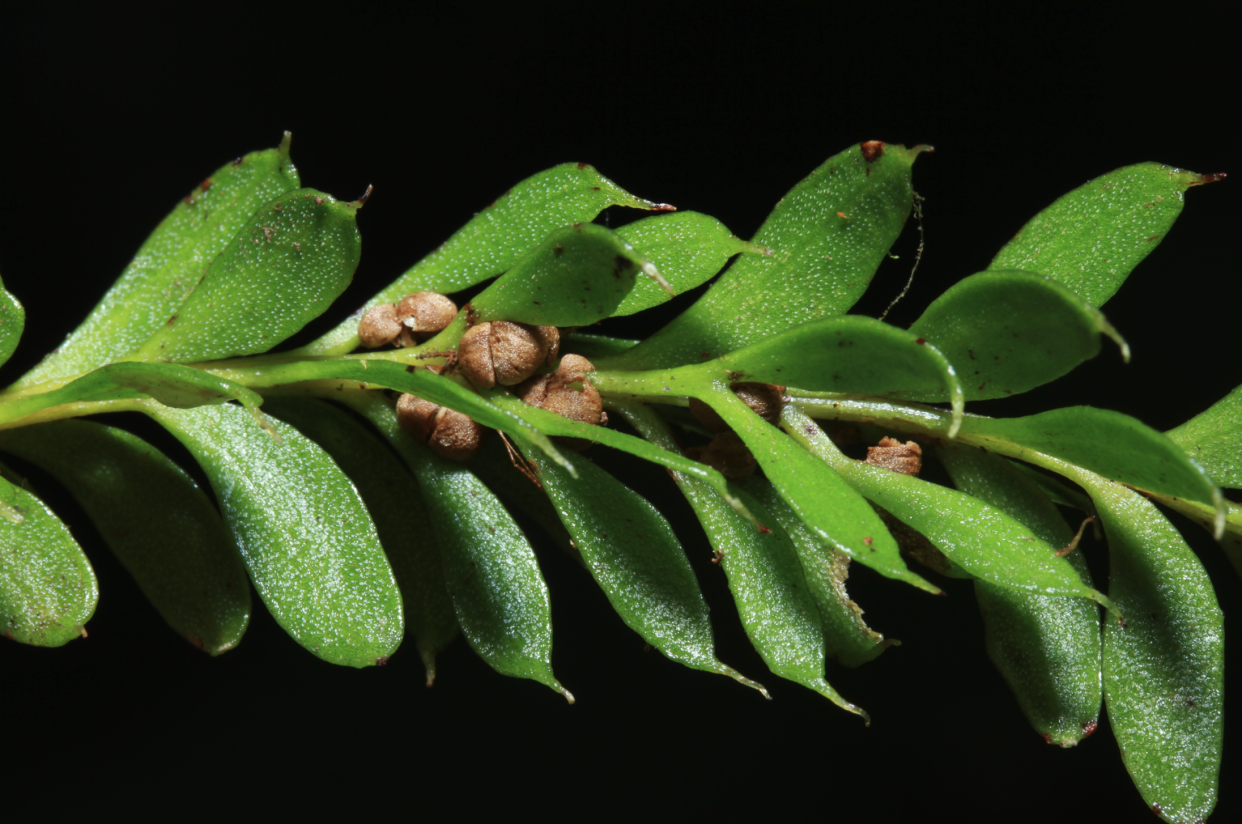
point(490, 353)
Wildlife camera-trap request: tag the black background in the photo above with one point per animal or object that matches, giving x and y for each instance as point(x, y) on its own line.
point(110, 115)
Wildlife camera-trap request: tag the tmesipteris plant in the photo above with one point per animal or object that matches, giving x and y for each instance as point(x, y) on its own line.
point(313, 492)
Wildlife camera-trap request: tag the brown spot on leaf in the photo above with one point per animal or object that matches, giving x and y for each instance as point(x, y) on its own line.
point(583, 165)
point(871, 150)
point(173, 319)
point(205, 185)
point(1089, 728)
point(920, 341)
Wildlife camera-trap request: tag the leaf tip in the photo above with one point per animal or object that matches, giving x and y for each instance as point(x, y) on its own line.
point(285, 141)
point(355, 205)
point(1203, 180)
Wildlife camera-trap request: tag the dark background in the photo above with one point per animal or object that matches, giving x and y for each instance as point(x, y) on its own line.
point(109, 116)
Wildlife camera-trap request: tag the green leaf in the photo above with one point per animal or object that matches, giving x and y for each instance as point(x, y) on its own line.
point(1214, 439)
point(1092, 238)
point(687, 248)
point(635, 557)
point(820, 497)
point(594, 347)
point(283, 269)
point(396, 506)
point(48, 590)
point(496, 239)
point(177, 386)
point(490, 571)
point(577, 277)
point(171, 262)
point(836, 355)
point(828, 235)
point(12, 322)
point(1009, 332)
point(1164, 663)
point(1230, 541)
point(162, 527)
point(1011, 556)
point(765, 576)
point(1107, 443)
point(304, 533)
point(1047, 649)
point(847, 638)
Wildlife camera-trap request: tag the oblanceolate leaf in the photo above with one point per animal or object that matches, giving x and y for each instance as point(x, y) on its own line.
point(577, 277)
point(1093, 237)
point(396, 506)
point(48, 590)
point(1011, 556)
point(828, 235)
point(12, 322)
point(282, 270)
point(635, 557)
point(496, 238)
point(303, 532)
point(1009, 332)
point(180, 387)
point(687, 248)
point(1101, 441)
point(1214, 439)
point(847, 638)
point(1164, 659)
point(171, 263)
point(829, 506)
point(838, 355)
point(162, 527)
point(490, 571)
point(765, 577)
point(1048, 649)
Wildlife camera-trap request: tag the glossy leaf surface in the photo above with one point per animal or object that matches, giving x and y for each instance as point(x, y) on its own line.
point(171, 263)
point(490, 571)
point(1214, 439)
point(1099, 440)
point(765, 577)
point(162, 527)
point(1048, 649)
point(1012, 555)
point(1164, 669)
point(496, 238)
point(631, 551)
point(847, 638)
point(12, 322)
point(687, 248)
point(396, 506)
point(48, 590)
point(283, 269)
point(823, 500)
point(577, 277)
point(1009, 332)
point(1093, 237)
point(827, 236)
point(303, 532)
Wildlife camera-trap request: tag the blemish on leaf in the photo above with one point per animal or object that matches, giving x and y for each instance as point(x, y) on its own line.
point(1089, 728)
point(871, 150)
point(205, 185)
point(583, 165)
point(558, 251)
point(920, 341)
point(173, 319)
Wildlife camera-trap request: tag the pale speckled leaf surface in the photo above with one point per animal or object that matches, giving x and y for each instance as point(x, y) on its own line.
point(496, 238)
point(1092, 238)
point(160, 524)
point(490, 571)
point(171, 262)
point(12, 322)
point(48, 590)
point(396, 506)
point(302, 529)
point(283, 269)
point(1008, 332)
point(1214, 439)
point(827, 235)
point(1164, 669)
point(1047, 649)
